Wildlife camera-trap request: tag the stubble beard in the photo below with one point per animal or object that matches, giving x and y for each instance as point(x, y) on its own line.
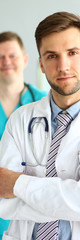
point(63, 91)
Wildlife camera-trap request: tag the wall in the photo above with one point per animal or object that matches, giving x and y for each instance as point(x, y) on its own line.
point(23, 16)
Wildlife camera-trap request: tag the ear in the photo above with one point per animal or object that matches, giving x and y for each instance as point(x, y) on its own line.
point(25, 60)
point(41, 65)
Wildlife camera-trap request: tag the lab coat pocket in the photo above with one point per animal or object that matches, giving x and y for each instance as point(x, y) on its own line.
point(8, 237)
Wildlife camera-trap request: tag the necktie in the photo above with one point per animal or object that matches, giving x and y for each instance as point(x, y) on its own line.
point(49, 230)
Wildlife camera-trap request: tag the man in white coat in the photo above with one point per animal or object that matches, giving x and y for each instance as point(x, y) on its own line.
point(28, 197)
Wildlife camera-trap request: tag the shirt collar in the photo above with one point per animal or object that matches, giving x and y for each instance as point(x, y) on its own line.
point(73, 110)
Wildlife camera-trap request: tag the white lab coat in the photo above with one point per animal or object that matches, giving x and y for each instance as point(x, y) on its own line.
point(40, 199)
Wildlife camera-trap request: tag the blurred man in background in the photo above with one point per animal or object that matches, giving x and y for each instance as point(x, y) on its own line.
point(14, 91)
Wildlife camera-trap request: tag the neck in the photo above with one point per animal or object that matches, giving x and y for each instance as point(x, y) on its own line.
point(11, 90)
point(10, 96)
point(65, 102)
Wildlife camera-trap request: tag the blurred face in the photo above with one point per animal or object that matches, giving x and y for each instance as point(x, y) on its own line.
point(60, 61)
point(12, 61)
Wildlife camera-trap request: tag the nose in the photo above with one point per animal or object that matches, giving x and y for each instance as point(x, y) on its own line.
point(6, 60)
point(63, 64)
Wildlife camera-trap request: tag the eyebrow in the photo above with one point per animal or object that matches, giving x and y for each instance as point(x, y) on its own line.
point(47, 52)
point(54, 52)
point(74, 48)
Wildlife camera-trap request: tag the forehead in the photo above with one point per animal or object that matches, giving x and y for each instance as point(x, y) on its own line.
point(10, 46)
point(60, 41)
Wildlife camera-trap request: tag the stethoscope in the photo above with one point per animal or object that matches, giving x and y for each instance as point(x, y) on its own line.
point(30, 90)
point(33, 96)
point(33, 121)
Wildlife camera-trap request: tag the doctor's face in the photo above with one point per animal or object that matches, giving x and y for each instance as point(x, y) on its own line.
point(12, 61)
point(60, 61)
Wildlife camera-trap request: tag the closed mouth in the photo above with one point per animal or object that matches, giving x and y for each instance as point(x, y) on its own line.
point(65, 78)
point(6, 69)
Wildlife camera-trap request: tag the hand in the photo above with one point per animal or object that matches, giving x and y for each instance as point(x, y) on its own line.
point(7, 182)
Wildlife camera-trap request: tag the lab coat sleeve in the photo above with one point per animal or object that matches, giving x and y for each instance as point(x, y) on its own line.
point(42, 200)
point(52, 198)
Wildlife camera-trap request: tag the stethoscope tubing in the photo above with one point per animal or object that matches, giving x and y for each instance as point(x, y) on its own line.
point(32, 122)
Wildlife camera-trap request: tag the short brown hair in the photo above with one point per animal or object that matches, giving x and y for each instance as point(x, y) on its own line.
point(10, 36)
point(56, 22)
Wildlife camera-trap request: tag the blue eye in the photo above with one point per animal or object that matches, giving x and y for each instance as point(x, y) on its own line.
point(72, 53)
point(12, 56)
